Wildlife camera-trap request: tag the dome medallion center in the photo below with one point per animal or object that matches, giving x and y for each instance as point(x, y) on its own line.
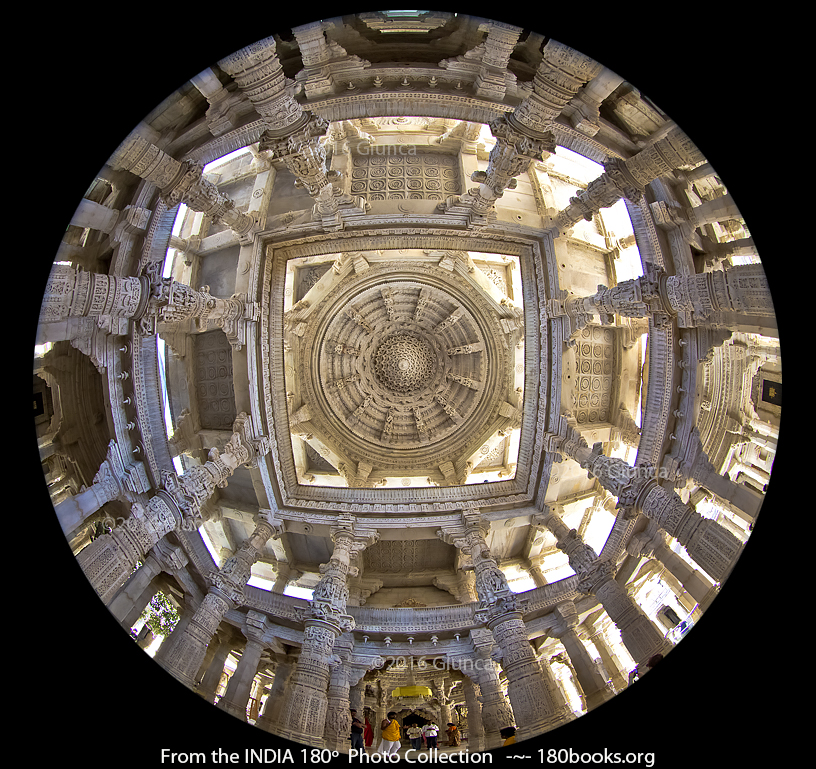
point(404, 363)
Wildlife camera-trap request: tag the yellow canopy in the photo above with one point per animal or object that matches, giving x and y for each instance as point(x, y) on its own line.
point(411, 691)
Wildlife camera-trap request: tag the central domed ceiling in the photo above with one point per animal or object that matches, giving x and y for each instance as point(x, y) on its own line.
point(403, 369)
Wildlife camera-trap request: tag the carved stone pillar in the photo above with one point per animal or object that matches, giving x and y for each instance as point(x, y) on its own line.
point(595, 689)
point(109, 560)
point(534, 570)
point(560, 75)
point(638, 633)
point(629, 178)
point(236, 697)
point(537, 703)
point(115, 478)
point(94, 216)
point(214, 660)
point(380, 711)
point(187, 655)
point(72, 293)
point(707, 298)
point(226, 593)
point(283, 672)
point(257, 72)
point(491, 82)
point(627, 429)
point(172, 303)
point(302, 152)
point(584, 112)
point(357, 697)
point(222, 113)
point(284, 574)
point(637, 490)
point(525, 134)
point(617, 680)
point(192, 490)
point(338, 718)
point(130, 601)
point(746, 501)
point(315, 54)
point(149, 300)
point(179, 182)
point(495, 711)
point(718, 210)
point(716, 252)
point(303, 715)
point(742, 289)
point(476, 732)
point(259, 686)
point(441, 691)
point(700, 588)
point(510, 156)
point(185, 615)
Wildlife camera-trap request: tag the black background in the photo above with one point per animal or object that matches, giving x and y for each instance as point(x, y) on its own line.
point(86, 686)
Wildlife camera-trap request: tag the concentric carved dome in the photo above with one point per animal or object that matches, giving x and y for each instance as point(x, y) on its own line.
point(404, 362)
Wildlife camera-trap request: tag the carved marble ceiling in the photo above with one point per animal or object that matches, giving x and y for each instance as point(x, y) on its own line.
point(402, 369)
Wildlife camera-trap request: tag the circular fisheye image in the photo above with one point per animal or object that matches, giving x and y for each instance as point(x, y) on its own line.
point(407, 386)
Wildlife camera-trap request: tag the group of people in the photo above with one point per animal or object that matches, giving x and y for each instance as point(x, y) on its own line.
point(362, 734)
point(429, 734)
point(426, 735)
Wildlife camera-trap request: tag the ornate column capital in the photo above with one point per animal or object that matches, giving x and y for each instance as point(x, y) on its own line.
point(232, 577)
point(646, 542)
point(299, 147)
point(191, 490)
point(559, 77)
point(636, 298)
point(629, 484)
point(179, 182)
point(331, 594)
point(172, 302)
point(495, 596)
point(629, 178)
point(255, 625)
point(351, 537)
point(72, 293)
point(583, 560)
point(514, 150)
point(566, 616)
point(257, 72)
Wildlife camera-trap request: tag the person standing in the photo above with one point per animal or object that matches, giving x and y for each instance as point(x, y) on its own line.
point(453, 735)
point(390, 734)
point(414, 733)
point(357, 732)
point(430, 730)
point(368, 733)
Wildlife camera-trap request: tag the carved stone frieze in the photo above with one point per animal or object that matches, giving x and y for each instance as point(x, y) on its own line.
point(402, 173)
